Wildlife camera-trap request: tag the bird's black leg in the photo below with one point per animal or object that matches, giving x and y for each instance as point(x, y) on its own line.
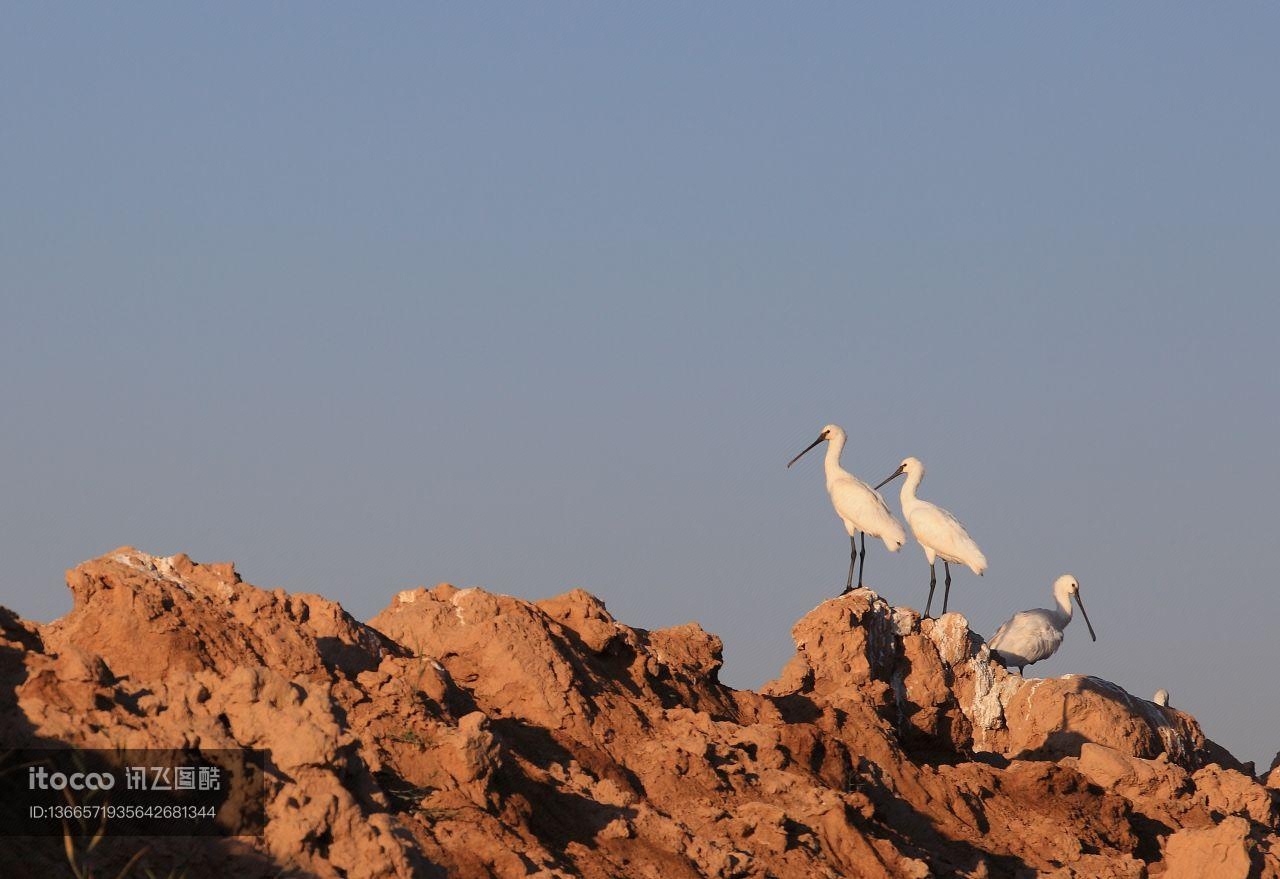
point(853, 557)
point(946, 594)
point(862, 558)
point(933, 581)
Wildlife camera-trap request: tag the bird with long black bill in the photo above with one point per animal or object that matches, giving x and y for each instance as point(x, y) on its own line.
point(1033, 635)
point(858, 505)
point(938, 532)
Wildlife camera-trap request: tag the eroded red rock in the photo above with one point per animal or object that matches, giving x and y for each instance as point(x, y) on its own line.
point(463, 733)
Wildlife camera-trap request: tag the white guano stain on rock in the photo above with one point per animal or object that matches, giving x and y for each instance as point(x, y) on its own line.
point(950, 634)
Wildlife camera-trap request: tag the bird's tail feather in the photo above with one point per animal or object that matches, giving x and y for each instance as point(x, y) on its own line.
point(979, 564)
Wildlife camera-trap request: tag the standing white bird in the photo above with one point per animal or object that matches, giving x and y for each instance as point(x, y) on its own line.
point(938, 532)
point(1161, 698)
point(1033, 635)
point(858, 505)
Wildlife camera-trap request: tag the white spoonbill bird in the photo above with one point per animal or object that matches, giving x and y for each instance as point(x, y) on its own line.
point(938, 532)
point(1033, 635)
point(858, 505)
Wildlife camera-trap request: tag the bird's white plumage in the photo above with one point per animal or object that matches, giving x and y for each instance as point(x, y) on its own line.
point(1033, 635)
point(1029, 636)
point(858, 505)
point(939, 533)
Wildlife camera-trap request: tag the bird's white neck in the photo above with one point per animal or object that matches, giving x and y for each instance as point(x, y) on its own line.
point(1064, 611)
point(831, 464)
point(907, 495)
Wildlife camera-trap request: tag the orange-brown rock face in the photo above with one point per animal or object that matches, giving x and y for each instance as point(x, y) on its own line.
point(462, 733)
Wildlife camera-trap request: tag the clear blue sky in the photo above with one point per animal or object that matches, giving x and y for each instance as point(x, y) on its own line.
point(546, 296)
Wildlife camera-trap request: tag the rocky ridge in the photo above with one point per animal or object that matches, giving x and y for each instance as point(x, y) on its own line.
point(464, 733)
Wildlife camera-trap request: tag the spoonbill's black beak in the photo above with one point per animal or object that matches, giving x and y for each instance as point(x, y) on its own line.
point(1085, 614)
point(810, 446)
point(892, 476)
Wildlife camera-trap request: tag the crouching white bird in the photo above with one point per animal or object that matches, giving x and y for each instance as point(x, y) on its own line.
point(1033, 635)
point(858, 505)
point(938, 532)
point(1161, 698)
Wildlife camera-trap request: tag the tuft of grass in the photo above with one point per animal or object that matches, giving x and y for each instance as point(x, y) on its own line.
point(170, 875)
point(409, 737)
point(408, 795)
point(78, 858)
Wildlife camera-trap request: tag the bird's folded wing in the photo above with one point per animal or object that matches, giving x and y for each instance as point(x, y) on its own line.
point(1028, 635)
point(856, 500)
point(1001, 634)
point(940, 528)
